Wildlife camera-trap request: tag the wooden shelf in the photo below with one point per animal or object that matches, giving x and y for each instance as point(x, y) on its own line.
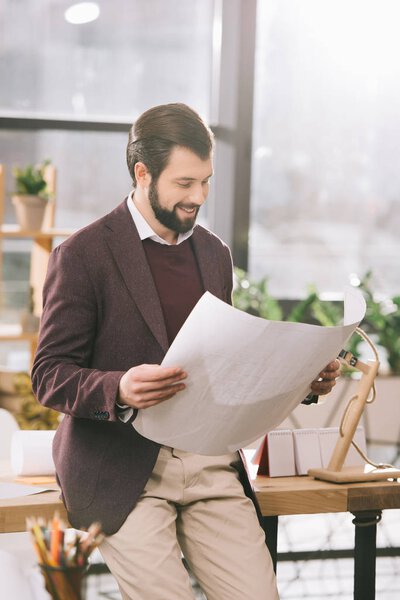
point(13, 332)
point(41, 247)
point(14, 231)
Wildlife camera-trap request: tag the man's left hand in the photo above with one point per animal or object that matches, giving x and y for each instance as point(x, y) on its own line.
point(326, 380)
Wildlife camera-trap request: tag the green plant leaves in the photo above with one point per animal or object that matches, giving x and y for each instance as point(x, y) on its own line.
point(382, 319)
point(30, 180)
point(254, 298)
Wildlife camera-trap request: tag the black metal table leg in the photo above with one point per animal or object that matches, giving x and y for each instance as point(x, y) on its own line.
point(270, 527)
point(365, 553)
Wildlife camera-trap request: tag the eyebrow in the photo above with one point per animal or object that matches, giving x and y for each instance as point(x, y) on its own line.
point(192, 178)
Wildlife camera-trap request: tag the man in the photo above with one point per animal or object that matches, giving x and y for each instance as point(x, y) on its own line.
point(116, 294)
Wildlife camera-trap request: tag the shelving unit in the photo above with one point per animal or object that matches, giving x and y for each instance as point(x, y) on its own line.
point(42, 245)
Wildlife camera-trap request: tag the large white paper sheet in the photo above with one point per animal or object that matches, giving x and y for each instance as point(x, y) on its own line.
point(18, 490)
point(245, 375)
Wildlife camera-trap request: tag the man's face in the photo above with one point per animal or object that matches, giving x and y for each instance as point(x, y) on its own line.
point(181, 189)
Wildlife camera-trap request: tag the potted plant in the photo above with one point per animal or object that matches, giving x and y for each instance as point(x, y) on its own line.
point(31, 195)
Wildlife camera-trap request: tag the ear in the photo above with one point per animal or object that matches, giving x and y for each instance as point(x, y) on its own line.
point(143, 177)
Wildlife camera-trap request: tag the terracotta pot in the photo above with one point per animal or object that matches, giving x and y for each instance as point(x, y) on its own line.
point(30, 211)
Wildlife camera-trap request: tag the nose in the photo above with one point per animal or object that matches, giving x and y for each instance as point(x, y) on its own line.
point(198, 194)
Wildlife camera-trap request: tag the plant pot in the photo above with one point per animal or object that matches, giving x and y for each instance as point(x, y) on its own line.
point(30, 211)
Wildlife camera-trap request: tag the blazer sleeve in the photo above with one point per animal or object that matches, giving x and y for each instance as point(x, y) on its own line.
point(228, 274)
point(61, 375)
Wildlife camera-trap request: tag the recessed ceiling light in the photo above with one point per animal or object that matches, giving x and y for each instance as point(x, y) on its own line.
point(83, 12)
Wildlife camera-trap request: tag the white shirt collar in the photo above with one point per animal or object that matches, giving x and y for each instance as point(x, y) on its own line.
point(144, 229)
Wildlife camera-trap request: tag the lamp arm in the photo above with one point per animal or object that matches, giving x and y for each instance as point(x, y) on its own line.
point(355, 407)
point(355, 362)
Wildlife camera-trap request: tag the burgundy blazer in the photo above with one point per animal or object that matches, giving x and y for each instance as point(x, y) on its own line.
point(102, 316)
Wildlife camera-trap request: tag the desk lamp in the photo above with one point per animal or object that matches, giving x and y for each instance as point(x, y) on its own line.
point(370, 471)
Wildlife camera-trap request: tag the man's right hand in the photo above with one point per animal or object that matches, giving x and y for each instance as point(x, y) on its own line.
point(147, 385)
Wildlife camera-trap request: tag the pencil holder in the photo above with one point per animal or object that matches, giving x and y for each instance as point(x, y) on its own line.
point(64, 583)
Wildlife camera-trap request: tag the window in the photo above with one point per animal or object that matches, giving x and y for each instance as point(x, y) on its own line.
point(134, 55)
point(326, 166)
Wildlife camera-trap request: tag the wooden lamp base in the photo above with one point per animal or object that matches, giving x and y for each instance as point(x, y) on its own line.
point(355, 474)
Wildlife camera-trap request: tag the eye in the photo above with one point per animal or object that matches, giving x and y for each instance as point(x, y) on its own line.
point(185, 185)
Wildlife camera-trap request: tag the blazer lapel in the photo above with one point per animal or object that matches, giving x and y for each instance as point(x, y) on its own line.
point(207, 261)
point(125, 244)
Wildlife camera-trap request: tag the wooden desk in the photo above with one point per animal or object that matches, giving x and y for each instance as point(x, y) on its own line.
point(277, 496)
point(13, 512)
point(305, 495)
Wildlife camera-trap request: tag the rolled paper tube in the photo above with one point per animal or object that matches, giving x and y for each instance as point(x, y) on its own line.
point(31, 453)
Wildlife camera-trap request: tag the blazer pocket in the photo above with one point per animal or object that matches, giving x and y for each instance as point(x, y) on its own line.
point(78, 451)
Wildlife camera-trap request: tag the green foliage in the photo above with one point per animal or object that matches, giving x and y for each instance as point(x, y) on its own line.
point(314, 310)
point(31, 414)
point(253, 297)
point(382, 319)
point(31, 180)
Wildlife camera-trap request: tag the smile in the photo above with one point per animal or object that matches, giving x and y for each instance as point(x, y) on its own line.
point(190, 211)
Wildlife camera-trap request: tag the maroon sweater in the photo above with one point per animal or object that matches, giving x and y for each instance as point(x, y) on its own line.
point(177, 279)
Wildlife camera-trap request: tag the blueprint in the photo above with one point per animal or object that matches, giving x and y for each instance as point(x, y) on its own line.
point(245, 375)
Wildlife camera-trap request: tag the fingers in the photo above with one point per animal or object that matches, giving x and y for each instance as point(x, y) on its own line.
point(332, 367)
point(147, 399)
point(146, 385)
point(158, 373)
point(331, 371)
point(327, 378)
point(154, 386)
point(322, 387)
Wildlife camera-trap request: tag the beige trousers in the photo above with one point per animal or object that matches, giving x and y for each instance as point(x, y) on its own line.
point(194, 504)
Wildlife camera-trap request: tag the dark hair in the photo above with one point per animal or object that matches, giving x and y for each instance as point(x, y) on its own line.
point(158, 130)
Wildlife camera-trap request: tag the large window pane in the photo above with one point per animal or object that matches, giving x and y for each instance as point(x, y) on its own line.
point(134, 55)
point(92, 176)
point(326, 166)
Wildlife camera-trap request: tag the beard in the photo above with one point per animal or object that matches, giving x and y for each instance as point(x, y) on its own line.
point(170, 218)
